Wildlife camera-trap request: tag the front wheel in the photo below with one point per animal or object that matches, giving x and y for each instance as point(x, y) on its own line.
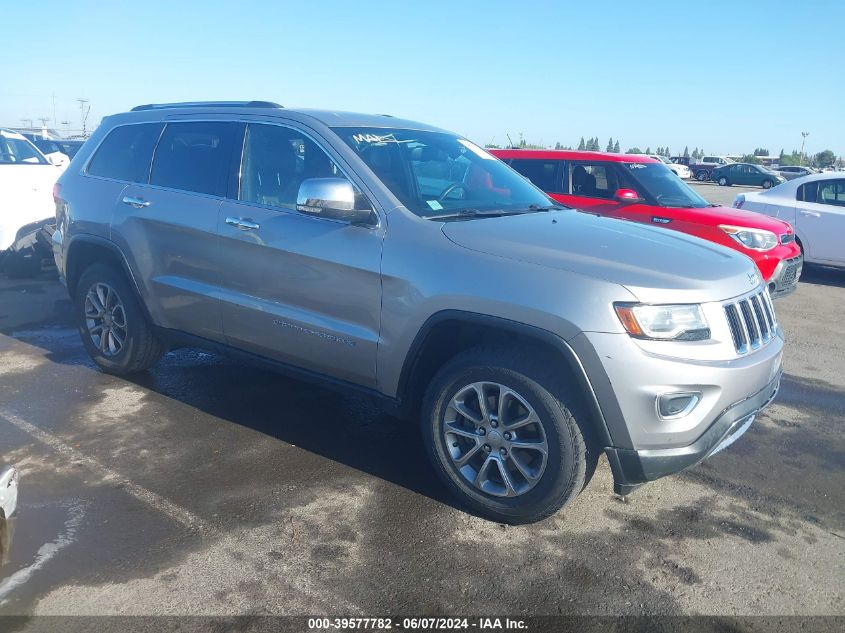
point(506, 436)
point(702, 176)
point(767, 184)
point(723, 182)
point(113, 327)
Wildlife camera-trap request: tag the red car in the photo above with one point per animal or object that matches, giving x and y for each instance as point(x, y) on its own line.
point(644, 190)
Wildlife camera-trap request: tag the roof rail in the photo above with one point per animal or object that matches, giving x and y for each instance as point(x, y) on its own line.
point(208, 104)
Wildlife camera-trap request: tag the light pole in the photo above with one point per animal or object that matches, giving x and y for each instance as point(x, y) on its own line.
point(804, 136)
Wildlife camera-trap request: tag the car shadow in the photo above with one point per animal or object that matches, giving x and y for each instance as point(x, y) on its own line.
point(347, 427)
point(823, 276)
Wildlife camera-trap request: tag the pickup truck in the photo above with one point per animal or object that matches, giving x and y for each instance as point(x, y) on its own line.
point(703, 169)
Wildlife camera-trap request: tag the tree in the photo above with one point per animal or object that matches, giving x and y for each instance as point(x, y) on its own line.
point(750, 158)
point(686, 151)
point(609, 145)
point(634, 150)
point(557, 145)
point(825, 158)
point(759, 151)
point(581, 145)
point(648, 150)
point(616, 146)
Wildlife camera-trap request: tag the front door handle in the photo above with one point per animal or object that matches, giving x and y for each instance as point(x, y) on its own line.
point(244, 224)
point(814, 214)
point(138, 203)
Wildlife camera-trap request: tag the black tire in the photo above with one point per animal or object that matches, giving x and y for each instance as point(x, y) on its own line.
point(142, 348)
point(702, 175)
point(724, 182)
point(572, 455)
point(767, 184)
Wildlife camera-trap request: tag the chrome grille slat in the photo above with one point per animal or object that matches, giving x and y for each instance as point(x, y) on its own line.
point(762, 323)
point(751, 321)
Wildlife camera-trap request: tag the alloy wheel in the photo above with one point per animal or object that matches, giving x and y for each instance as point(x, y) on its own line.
point(105, 319)
point(495, 439)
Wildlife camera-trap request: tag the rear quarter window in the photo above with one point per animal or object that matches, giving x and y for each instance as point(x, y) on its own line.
point(126, 153)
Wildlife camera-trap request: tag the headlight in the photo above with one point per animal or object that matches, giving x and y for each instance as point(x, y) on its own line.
point(755, 239)
point(663, 322)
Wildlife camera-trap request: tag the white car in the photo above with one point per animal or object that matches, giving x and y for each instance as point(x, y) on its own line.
point(681, 171)
point(815, 206)
point(51, 149)
point(26, 185)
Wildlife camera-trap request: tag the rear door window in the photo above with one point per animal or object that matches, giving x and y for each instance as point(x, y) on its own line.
point(545, 174)
point(194, 157)
point(126, 153)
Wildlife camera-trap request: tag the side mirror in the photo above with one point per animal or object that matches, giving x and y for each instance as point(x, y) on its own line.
point(333, 198)
point(55, 160)
point(627, 196)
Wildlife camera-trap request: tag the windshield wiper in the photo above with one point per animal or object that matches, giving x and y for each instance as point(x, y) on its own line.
point(473, 213)
point(551, 207)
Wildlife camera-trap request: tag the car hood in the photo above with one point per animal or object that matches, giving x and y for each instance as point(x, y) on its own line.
point(736, 217)
point(656, 265)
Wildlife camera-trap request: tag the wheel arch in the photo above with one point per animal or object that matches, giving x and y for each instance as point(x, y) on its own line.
point(449, 332)
point(85, 250)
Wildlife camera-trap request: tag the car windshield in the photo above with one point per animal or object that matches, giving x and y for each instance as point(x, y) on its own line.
point(661, 183)
point(17, 150)
point(436, 173)
point(665, 160)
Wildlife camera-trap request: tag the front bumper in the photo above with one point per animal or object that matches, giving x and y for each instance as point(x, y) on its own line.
point(785, 278)
point(632, 468)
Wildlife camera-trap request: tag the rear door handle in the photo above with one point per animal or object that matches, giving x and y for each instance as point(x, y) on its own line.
point(244, 224)
point(814, 214)
point(138, 203)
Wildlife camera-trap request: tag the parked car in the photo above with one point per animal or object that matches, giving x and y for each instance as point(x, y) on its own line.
point(790, 172)
point(52, 149)
point(527, 338)
point(815, 206)
point(746, 174)
point(26, 185)
point(70, 146)
point(703, 169)
point(641, 189)
point(31, 251)
point(680, 170)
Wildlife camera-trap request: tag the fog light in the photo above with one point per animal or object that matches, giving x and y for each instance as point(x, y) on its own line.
point(671, 406)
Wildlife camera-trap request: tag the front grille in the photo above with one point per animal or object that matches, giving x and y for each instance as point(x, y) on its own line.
point(790, 273)
point(751, 321)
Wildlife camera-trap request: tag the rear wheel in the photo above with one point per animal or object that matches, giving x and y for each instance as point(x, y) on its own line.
point(506, 436)
point(113, 327)
point(702, 175)
point(767, 184)
point(723, 182)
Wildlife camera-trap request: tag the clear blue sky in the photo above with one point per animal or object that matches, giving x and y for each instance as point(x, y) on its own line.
point(727, 76)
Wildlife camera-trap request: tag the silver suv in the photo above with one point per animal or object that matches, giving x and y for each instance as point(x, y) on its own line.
point(406, 262)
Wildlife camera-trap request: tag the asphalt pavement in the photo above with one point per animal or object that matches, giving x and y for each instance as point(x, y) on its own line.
point(207, 486)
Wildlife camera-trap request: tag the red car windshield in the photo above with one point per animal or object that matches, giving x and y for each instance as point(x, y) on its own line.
point(662, 185)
